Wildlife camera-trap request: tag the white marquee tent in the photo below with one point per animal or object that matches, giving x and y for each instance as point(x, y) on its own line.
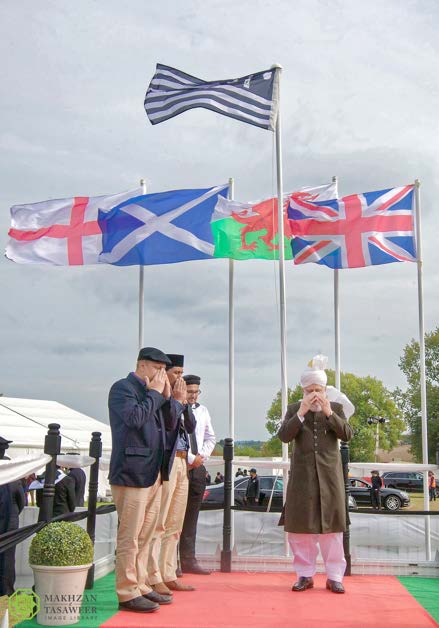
point(26, 422)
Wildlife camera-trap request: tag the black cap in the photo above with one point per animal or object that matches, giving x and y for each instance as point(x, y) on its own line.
point(192, 379)
point(4, 444)
point(154, 355)
point(253, 470)
point(176, 359)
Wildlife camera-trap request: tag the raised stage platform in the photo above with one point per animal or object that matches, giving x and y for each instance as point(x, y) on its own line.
point(244, 600)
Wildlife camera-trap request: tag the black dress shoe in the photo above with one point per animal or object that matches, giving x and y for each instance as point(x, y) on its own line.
point(334, 586)
point(139, 605)
point(153, 596)
point(303, 584)
point(192, 566)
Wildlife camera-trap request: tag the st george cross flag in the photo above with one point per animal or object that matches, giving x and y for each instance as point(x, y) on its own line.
point(355, 231)
point(62, 232)
point(252, 99)
point(161, 228)
point(250, 230)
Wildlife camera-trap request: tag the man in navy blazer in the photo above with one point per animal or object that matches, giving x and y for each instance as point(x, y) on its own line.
point(141, 411)
point(162, 562)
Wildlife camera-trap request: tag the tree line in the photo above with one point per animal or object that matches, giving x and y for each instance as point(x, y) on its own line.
point(400, 408)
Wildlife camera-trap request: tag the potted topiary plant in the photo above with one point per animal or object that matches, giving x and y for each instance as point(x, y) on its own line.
point(60, 556)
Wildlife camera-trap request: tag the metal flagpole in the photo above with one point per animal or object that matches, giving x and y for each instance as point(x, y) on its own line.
point(232, 364)
point(344, 447)
point(141, 285)
point(337, 321)
point(422, 365)
point(283, 317)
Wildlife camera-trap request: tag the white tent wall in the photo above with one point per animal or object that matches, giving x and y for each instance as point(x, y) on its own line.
point(26, 422)
point(381, 544)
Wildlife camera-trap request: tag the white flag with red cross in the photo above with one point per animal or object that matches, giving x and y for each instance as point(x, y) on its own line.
point(61, 232)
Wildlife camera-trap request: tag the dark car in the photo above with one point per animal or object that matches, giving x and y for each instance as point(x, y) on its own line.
point(391, 498)
point(407, 481)
point(214, 495)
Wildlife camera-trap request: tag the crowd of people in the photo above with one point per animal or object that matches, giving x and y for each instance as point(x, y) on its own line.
point(14, 496)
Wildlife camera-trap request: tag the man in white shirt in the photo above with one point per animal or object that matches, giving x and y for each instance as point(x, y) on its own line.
point(202, 443)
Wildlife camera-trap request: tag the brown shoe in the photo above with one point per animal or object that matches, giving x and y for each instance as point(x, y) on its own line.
point(139, 605)
point(175, 585)
point(161, 588)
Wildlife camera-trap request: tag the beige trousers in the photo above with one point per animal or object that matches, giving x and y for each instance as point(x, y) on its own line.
point(138, 510)
point(162, 561)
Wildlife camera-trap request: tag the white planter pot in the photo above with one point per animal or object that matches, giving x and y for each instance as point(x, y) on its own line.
point(60, 590)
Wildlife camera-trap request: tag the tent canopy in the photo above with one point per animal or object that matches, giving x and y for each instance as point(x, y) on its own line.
point(26, 421)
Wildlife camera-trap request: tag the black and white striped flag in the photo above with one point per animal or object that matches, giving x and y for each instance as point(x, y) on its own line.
point(252, 98)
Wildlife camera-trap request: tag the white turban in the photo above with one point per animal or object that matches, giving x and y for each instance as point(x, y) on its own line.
point(315, 374)
point(337, 396)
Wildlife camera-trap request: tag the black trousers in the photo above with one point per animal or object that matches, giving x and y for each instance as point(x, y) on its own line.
point(197, 486)
point(375, 495)
point(7, 563)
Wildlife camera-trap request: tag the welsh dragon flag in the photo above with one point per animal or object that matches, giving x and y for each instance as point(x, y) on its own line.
point(250, 230)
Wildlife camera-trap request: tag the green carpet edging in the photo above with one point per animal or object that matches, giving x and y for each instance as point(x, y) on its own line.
point(99, 604)
point(425, 591)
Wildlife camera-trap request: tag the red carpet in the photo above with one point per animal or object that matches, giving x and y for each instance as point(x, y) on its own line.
point(266, 600)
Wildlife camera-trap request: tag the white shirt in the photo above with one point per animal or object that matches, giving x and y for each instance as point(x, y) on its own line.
point(204, 434)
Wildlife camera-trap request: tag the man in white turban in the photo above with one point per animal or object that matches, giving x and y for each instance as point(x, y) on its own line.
point(315, 507)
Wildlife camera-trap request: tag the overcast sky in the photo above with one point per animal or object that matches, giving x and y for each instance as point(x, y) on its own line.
point(360, 100)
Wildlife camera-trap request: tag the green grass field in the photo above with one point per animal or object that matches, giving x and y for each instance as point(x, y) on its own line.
point(416, 503)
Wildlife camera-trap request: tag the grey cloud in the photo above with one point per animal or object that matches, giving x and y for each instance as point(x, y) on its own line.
point(72, 110)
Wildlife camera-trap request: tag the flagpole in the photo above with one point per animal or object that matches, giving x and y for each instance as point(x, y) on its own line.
point(232, 361)
point(141, 285)
point(283, 316)
point(422, 365)
point(231, 333)
point(337, 319)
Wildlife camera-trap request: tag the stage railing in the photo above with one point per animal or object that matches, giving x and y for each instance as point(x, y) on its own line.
point(278, 466)
point(52, 447)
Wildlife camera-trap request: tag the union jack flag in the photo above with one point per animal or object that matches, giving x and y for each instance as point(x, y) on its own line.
point(355, 231)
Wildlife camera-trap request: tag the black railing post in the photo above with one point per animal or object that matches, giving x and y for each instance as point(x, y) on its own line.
point(226, 554)
point(52, 447)
point(344, 451)
point(95, 451)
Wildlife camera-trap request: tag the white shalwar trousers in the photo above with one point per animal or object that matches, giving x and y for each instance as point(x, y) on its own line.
point(305, 550)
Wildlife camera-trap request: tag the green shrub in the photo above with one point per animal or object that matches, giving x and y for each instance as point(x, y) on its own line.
point(61, 544)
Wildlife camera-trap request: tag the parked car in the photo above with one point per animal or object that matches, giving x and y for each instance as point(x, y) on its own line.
point(391, 498)
point(410, 481)
point(214, 495)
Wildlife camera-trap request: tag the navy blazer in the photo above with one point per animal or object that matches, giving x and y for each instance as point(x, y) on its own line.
point(139, 419)
point(189, 424)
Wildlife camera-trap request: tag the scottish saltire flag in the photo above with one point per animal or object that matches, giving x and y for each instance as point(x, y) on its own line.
point(161, 228)
point(252, 98)
point(354, 231)
point(63, 232)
